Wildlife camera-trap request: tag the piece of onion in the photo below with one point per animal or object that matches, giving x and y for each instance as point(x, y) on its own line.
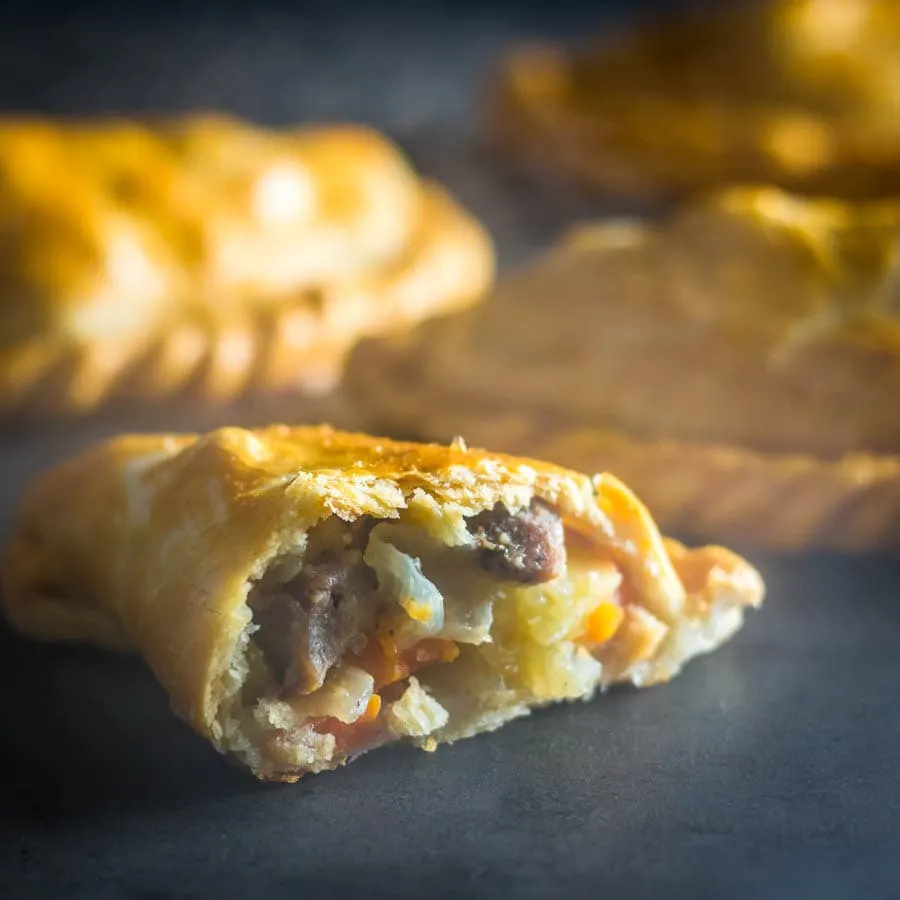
point(400, 577)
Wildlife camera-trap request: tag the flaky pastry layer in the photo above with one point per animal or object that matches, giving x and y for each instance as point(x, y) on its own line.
point(305, 594)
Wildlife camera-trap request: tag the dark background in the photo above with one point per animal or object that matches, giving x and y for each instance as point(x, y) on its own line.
point(414, 69)
point(769, 770)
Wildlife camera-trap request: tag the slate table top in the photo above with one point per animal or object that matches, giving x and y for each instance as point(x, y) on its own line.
point(768, 770)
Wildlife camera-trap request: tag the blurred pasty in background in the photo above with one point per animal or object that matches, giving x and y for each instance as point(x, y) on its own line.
point(209, 256)
point(305, 595)
point(804, 94)
point(737, 365)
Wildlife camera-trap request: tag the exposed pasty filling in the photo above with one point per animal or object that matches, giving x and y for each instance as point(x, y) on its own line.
point(381, 630)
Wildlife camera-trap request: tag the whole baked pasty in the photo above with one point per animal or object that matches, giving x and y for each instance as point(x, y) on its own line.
point(206, 256)
point(804, 94)
point(305, 594)
point(737, 365)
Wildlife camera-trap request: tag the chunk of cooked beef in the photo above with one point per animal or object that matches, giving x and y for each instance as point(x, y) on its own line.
point(310, 622)
point(526, 546)
point(282, 633)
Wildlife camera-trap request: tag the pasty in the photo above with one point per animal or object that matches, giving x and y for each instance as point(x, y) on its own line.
point(208, 257)
point(305, 594)
point(798, 93)
point(738, 365)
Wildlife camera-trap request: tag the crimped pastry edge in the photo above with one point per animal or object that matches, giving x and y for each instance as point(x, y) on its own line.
point(291, 349)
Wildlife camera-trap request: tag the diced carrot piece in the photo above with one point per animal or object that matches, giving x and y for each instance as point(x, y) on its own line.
point(373, 707)
point(386, 664)
point(603, 622)
point(379, 659)
point(393, 668)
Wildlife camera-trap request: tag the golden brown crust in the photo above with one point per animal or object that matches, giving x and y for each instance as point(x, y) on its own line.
point(798, 93)
point(740, 361)
point(207, 257)
point(152, 542)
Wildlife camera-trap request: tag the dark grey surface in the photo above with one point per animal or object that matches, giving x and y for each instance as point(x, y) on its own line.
point(415, 70)
point(770, 770)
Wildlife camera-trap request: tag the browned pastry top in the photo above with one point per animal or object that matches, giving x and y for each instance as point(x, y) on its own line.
point(802, 93)
point(207, 256)
point(109, 228)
